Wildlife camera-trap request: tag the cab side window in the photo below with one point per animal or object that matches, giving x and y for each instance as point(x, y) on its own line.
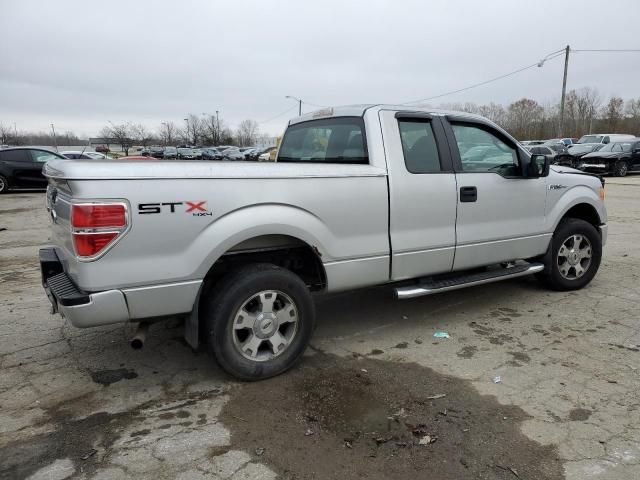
point(419, 146)
point(482, 151)
point(20, 155)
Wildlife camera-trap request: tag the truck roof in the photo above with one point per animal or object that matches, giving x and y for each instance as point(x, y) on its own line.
point(358, 110)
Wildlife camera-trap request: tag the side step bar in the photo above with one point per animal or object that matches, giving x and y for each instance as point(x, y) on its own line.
point(466, 280)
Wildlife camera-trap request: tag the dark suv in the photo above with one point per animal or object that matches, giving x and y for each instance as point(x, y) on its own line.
point(21, 167)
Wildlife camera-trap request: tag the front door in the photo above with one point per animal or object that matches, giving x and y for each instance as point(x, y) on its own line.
point(501, 212)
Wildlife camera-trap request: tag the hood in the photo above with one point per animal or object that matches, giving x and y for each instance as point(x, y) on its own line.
point(601, 155)
point(579, 177)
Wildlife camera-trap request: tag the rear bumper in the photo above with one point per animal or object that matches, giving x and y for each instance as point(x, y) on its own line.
point(82, 309)
point(89, 309)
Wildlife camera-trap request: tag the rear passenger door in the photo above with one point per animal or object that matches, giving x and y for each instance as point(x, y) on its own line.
point(422, 191)
point(18, 165)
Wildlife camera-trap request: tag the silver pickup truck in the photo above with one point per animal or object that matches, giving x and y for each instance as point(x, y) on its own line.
point(424, 201)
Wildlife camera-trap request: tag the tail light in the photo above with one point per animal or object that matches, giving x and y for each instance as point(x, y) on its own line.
point(96, 226)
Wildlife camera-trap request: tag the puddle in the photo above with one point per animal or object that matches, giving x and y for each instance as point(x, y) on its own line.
point(364, 418)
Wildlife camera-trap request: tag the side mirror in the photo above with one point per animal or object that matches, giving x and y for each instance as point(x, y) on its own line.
point(538, 166)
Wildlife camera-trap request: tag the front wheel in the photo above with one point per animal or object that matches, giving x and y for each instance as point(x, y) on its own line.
point(259, 321)
point(4, 185)
point(573, 257)
point(621, 168)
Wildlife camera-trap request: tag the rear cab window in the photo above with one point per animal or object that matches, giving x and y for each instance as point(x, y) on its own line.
point(330, 140)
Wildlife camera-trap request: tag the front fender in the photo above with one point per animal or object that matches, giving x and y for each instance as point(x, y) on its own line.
point(579, 194)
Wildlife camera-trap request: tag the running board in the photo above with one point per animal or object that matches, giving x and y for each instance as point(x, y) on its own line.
point(469, 280)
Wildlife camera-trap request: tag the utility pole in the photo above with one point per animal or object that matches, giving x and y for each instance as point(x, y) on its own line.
point(55, 140)
point(15, 133)
point(564, 90)
point(299, 103)
point(217, 128)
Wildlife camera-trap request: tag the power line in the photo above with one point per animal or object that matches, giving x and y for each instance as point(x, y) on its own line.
point(608, 50)
point(548, 57)
point(278, 115)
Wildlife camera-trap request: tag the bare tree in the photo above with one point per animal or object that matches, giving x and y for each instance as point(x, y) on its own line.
point(121, 134)
point(632, 111)
point(212, 128)
point(141, 135)
point(193, 130)
point(247, 132)
point(168, 133)
point(6, 133)
point(523, 116)
point(613, 113)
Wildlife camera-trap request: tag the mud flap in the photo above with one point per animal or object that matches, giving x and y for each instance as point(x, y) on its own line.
point(191, 325)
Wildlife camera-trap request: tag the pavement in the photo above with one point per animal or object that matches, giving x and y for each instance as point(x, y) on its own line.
point(529, 384)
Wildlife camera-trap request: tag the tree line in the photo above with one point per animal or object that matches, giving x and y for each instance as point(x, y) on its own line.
point(197, 130)
point(585, 112)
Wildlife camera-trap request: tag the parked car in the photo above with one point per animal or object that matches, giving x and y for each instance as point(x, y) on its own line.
point(266, 154)
point(97, 155)
point(543, 150)
point(77, 155)
point(248, 153)
point(186, 154)
point(21, 167)
point(239, 250)
point(557, 147)
point(198, 153)
point(156, 151)
point(170, 153)
point(102, 149)
point(575, 152)
point(528, 143)
point(211, 153)
point(232, 153)
point(605, 138)
point(615, 158)
point(138, 157)
point(565, 141)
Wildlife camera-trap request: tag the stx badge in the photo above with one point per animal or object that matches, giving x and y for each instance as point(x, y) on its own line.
point(196, 209)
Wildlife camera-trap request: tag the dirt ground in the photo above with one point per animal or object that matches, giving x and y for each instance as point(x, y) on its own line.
point(377, 396)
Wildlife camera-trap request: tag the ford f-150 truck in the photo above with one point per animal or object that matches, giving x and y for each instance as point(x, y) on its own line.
point(358, 196)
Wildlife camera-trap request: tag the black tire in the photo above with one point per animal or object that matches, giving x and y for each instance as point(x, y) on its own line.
point(228, 296)
point(4, 184)
point(621, 168)
point(551, 275)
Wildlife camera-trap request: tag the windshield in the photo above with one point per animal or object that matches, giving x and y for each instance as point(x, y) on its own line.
point(590, 139)
point(608, 147)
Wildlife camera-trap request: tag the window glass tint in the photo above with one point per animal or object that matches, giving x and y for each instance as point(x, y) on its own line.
point(42, 156)
point(419, 146)
point(332, 140)
point(15, 156)
point(482, 151)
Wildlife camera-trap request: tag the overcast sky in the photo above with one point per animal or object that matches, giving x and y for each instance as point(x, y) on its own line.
point(82, 63)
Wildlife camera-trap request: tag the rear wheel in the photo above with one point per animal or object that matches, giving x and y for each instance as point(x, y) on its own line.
point(4, 185)
point(573, 257)
point(259, 320)
point(621, 168)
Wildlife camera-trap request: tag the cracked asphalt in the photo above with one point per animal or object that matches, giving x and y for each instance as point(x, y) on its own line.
point(81, 404)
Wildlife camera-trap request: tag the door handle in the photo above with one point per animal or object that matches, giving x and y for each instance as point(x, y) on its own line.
point(468, 194)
